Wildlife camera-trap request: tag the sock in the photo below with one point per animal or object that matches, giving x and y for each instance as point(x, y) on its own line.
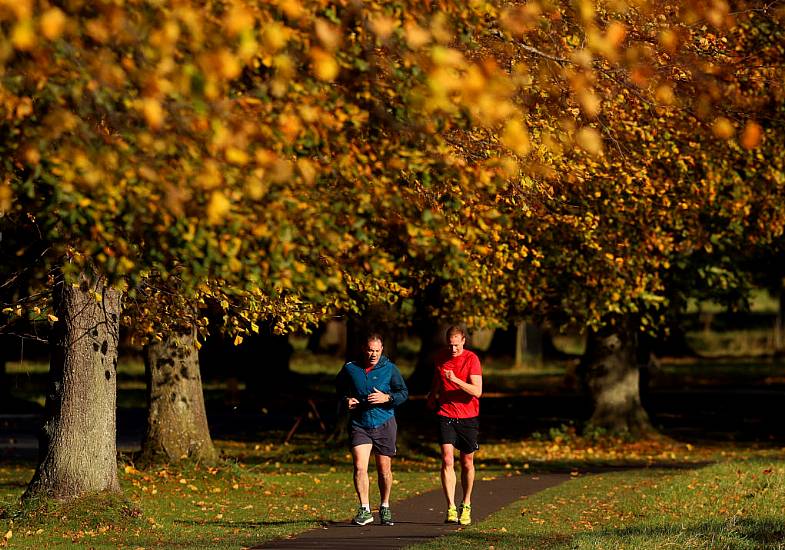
point(385, 504)
point(366, 507)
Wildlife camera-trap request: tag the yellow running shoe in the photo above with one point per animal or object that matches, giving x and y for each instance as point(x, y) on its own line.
point(452, 515)
point(466, 514)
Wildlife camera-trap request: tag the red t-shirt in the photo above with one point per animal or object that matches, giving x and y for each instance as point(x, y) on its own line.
point(453, 401)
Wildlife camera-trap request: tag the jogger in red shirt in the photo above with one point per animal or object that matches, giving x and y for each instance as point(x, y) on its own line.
point(455, 394)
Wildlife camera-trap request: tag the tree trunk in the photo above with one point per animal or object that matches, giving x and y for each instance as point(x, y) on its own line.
point(520, 342)
point(77, 449)
point(610, 372)
point(176, 417)
point(778, 324)
point(431, 341)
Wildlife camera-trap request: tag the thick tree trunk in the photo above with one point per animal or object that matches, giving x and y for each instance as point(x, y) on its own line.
point(520, 342)
point(610, 372)
point(77, 449)
point(176, 417)
point(779, 323)
point(431, 341)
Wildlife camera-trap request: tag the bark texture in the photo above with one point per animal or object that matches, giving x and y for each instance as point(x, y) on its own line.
point(77, 449)
point(610, 374)
point(176, 416)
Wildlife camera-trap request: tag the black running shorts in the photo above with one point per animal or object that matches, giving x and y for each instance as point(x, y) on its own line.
point(461, 433)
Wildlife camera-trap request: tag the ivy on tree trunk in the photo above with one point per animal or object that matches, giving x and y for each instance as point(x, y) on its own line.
point(77, 449)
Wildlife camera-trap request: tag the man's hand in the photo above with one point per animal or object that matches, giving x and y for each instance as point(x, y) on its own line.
point(352, 402)
point(450, 375)
point(378, 398)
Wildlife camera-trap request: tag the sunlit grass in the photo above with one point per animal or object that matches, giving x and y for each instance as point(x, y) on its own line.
point(733, 505)
point(266, 489)
point(262, 491)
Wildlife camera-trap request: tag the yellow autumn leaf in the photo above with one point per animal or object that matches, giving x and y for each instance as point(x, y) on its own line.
point(238, 340)
point(153, 112)
point(236, 156)
point(615, 34)
point(723, 128)
point(292, 8)
point(751, 136)
point(590, 140)
point(52, 318)
point(590, 103)
point(516, 138)
point(52, 23)
point(275, 36)
point(217, 208)
point(329, 35)
point(382, 26)
point(325, 66)
point(416, 36)
point(664, 94)
point(23, 36)
point(237, 20)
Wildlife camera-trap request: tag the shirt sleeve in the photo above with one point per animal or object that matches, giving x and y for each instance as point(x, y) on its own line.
point(474, 366)
point(398, 390)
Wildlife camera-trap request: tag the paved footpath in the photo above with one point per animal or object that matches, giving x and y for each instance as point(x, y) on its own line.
point(420, 518)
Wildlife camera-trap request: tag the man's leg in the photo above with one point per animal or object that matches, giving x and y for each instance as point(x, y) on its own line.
point(448, 473)
point(384, 469)
point(360, 455)
point(467, 476)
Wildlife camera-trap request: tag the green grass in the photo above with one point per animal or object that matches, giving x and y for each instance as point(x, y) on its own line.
point(733, 505)
point(263, 491)
point(266, 490)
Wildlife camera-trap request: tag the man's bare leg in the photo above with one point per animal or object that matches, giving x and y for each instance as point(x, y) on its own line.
point(384, 469)
point(467, 476)
point(448, 473)
point(360, 455)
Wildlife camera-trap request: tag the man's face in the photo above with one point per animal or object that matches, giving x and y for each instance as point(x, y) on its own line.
point(455, 344)
point(373, 351)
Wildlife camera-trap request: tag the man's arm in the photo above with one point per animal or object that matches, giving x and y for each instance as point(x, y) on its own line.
point(473, 387)
point(398, 392)
point(343, 387)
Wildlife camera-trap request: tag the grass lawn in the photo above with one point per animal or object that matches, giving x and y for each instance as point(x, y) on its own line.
point(739, 504)
point(261, 492)
point(266, 490)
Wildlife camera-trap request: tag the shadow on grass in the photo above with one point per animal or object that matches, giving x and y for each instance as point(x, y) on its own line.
point(759, 533)
point(763, 530)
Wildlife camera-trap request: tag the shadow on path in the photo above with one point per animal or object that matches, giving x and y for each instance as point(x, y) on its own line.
point(420, 518)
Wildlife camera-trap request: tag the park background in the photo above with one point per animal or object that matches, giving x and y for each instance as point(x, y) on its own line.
point(203, 205)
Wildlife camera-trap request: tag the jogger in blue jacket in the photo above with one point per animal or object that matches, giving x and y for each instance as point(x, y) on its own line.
point(371, 390)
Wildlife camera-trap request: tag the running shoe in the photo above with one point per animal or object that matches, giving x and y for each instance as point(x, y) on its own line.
point(452, 515)
point(363, 517)
point(385, 515)
point(466, 514)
